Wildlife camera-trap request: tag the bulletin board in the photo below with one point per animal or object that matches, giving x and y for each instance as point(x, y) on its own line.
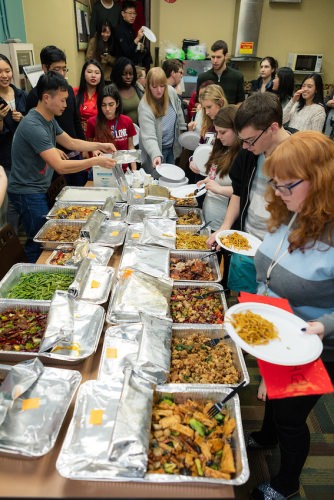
point(82, 24)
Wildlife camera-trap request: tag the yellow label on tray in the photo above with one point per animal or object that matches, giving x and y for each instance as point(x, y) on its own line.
point(92, 255)
point(114, 233)
point(137, 196)
point(112, 353)
point(116, 214)
point(95, 417)
point(135, 235)
point(126, 273)
point(72, 347)
point(31, 404)
point(95, 284)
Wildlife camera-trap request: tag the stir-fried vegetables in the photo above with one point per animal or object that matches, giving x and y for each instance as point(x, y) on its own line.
point(21, 329)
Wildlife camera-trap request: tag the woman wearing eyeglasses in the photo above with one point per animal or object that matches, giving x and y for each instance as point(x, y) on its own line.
point(296, 261)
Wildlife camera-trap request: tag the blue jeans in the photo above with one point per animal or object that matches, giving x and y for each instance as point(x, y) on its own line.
point(167, 155)
point(32, 209)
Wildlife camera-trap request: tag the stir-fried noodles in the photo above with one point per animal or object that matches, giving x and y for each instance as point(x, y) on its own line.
point(253, 328)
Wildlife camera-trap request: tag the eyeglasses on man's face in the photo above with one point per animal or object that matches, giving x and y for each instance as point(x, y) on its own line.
point(252, 142)
point(284, 189)
point(59, 69)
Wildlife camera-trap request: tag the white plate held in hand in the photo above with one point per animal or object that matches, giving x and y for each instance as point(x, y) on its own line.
point(253, 241)
point(170, 171)
point(149, 34)
point(201, 155)
point(187, 191)
point(292, 348)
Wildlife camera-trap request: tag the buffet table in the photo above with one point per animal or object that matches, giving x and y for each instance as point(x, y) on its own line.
point(38, 478)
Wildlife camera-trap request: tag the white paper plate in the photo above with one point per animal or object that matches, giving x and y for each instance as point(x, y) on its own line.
point(201, 156)
point(185, 191)
point(149, 34)
point(173, 185)
point(253, 241)
point(170, 172)
point(189, 140)
point(135, 138)
point(293, 346)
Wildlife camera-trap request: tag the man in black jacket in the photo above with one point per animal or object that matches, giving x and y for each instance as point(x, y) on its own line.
point(127, 41)
point(259, 123)
point(54, 59)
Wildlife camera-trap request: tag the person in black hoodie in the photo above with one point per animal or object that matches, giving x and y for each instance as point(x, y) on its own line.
point(54, 59)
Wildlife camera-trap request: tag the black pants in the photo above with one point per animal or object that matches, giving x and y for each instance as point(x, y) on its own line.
point(285, 423)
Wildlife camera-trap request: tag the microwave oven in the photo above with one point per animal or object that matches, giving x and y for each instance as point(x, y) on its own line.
point(308, 63)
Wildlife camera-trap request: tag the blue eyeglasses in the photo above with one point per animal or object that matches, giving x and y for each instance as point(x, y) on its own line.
point(285, 189)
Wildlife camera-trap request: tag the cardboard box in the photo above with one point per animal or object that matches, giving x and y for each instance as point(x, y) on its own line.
point(104, 177)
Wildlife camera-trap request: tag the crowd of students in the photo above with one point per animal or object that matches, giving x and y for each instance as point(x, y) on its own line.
point(270, 173)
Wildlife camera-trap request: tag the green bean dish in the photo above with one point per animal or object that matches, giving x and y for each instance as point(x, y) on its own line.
point(39, 285)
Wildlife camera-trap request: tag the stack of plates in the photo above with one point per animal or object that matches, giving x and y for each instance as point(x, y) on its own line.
point(171, 176)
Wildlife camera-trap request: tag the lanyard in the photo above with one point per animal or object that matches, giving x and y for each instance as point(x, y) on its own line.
point(277, 259)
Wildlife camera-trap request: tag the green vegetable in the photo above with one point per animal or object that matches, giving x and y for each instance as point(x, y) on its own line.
point(182, 347)
point(220, 417)
point(39, 285)
point(198, 427)
point(169, 468)
point(199, 467)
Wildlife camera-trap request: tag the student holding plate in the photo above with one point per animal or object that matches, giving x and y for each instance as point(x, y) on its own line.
point(296, 261)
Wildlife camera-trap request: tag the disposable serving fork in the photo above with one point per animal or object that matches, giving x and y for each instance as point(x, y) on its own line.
point(217, 407)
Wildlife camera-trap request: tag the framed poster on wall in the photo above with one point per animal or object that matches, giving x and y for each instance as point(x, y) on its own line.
point(82, 24)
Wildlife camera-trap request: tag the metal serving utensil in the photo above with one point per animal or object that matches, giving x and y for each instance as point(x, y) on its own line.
point(213, 292)
point(202, 227)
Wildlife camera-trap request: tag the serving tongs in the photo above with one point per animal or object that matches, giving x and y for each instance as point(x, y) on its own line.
point(213, 292)
point(209, 255)
point(198, 191)
point(201, 228)
point(217, 407)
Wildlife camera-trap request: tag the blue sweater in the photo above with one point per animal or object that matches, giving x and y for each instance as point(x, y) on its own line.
point(306, 279)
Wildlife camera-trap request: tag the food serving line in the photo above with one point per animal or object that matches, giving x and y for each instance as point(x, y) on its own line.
point(145, 267)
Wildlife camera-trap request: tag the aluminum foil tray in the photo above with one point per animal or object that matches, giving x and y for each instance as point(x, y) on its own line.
point(84, 453)
point(214, 332)
point(192, 229)
point(52, 244)
point(146, 258)
point(88, 325)
point(99, 254)
point(13, 275)
point(137, 213)
point(111, 234)
point(119, 212)
point(237, 441)
point(181, 211)
point(33, 432)
point(212, 261)
point(98, 284)
point(133, 234)
point(52, 214)
point(92, 194)
point(206, 285)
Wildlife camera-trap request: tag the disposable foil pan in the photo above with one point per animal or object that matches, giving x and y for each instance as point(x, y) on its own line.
point(99, 254)
point(94, 194)
point(52, 244)
point(181, 211)
point(88, 325)
point(237, 441)
point(97, 284)
point(13, 275)
point(214, 332)
point(133, 234)
point(119, 212)
point(208, 286)
point(193, 229)
point(211, 261)
point(32, 424)
point(111, 234)
point(52, 214)
point(146, 258)
point(84, 452)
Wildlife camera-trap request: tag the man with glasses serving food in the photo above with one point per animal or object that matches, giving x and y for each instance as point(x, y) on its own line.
point(259, 125)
